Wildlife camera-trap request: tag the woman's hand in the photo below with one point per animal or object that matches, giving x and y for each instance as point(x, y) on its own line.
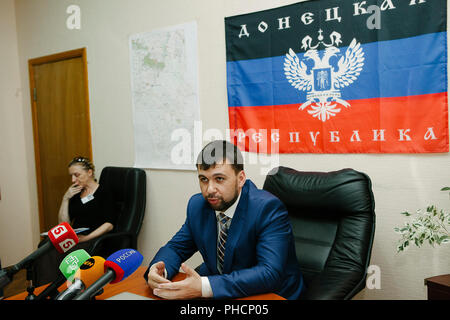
point(63, 215)
point(73, 190)
point(83, 238)
point(104, 228)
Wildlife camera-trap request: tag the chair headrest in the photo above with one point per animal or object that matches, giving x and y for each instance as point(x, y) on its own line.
point(128, 187)
point(326, 194)
point(120, 179)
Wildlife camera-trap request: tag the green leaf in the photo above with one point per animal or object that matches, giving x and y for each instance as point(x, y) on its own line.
point(445, 189)
point(426, 226)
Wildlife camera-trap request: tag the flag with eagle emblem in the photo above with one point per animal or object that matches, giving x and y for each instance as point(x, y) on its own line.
point(339, 76)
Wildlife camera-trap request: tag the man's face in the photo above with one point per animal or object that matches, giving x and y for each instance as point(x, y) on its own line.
point(220, 185)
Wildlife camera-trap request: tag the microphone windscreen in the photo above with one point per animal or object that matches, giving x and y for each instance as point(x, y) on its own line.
point(63, 237)
point(72, 262)
point(91, 270)
point(124, 262)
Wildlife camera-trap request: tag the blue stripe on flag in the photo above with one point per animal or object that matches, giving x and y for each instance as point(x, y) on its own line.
point(395, 68)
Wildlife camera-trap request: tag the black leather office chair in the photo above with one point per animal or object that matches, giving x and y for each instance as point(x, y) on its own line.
point(333, 221)
point(128, 186)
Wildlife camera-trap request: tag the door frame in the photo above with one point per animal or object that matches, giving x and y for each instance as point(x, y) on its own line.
point(77, 53)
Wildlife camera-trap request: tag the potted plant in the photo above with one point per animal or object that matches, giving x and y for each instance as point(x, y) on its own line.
point(431, 225)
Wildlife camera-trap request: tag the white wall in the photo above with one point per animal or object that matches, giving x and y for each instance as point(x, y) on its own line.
point(400, 182)
point(15, 204)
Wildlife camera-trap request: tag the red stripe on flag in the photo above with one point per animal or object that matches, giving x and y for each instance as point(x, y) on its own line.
point(381, 125)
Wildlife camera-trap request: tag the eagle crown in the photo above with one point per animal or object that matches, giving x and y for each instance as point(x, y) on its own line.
point(330, 49)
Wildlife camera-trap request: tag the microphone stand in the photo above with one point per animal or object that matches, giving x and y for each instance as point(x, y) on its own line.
point(52, 290)
point(30, 288)
point(97, 286)
point(1, 287)
point(30, 271)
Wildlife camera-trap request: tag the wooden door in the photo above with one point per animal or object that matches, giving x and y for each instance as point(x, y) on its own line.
point(61, 125)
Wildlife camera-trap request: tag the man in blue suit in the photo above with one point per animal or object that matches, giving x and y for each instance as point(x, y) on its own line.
point(242, 233)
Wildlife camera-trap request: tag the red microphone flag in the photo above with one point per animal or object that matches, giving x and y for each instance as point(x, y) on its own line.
point(63, 237)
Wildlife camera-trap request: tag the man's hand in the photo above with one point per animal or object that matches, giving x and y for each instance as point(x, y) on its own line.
point(189, 288)
point(156, 275)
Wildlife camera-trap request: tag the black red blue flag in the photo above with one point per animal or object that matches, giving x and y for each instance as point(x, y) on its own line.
point(339, 76)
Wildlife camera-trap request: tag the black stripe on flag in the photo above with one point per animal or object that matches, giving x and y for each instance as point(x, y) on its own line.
point(268, 33)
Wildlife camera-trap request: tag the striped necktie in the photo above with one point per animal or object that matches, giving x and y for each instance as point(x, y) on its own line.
point(223, 231)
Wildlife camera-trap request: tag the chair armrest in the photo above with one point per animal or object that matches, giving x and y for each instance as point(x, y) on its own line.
point(335, 285)
point(113, 235)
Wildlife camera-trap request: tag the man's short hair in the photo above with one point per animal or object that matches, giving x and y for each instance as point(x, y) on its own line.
point(217, 152)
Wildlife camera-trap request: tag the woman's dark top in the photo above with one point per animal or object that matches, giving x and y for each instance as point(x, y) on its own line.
point(93, 213)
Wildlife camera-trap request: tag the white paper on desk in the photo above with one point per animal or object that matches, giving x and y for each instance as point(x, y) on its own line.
point(77, 230)
point(128, 296)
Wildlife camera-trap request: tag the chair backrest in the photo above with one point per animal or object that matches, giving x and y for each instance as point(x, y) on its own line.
point(333, 221)
point(128, 186)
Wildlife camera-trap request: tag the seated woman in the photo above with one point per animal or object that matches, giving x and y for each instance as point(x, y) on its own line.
point(86, 204)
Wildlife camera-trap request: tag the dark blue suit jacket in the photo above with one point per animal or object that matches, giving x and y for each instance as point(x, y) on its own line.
point(259, 254)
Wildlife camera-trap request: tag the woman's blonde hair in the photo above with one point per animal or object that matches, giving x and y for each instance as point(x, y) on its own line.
point(85, 163)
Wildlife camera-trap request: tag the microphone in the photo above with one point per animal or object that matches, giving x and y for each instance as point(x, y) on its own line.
point(70, 264)
point(117, 267)
point(68, 267)
point(92, 269)
point(62, 237)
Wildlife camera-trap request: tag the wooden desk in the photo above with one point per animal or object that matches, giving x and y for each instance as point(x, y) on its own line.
point(438, 287)
point(136, 284)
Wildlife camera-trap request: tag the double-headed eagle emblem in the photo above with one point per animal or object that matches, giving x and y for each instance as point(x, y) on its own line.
point(324, 81)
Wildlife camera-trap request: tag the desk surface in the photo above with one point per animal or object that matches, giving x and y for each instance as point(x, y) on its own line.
point(136, 284)
point(442, 280)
